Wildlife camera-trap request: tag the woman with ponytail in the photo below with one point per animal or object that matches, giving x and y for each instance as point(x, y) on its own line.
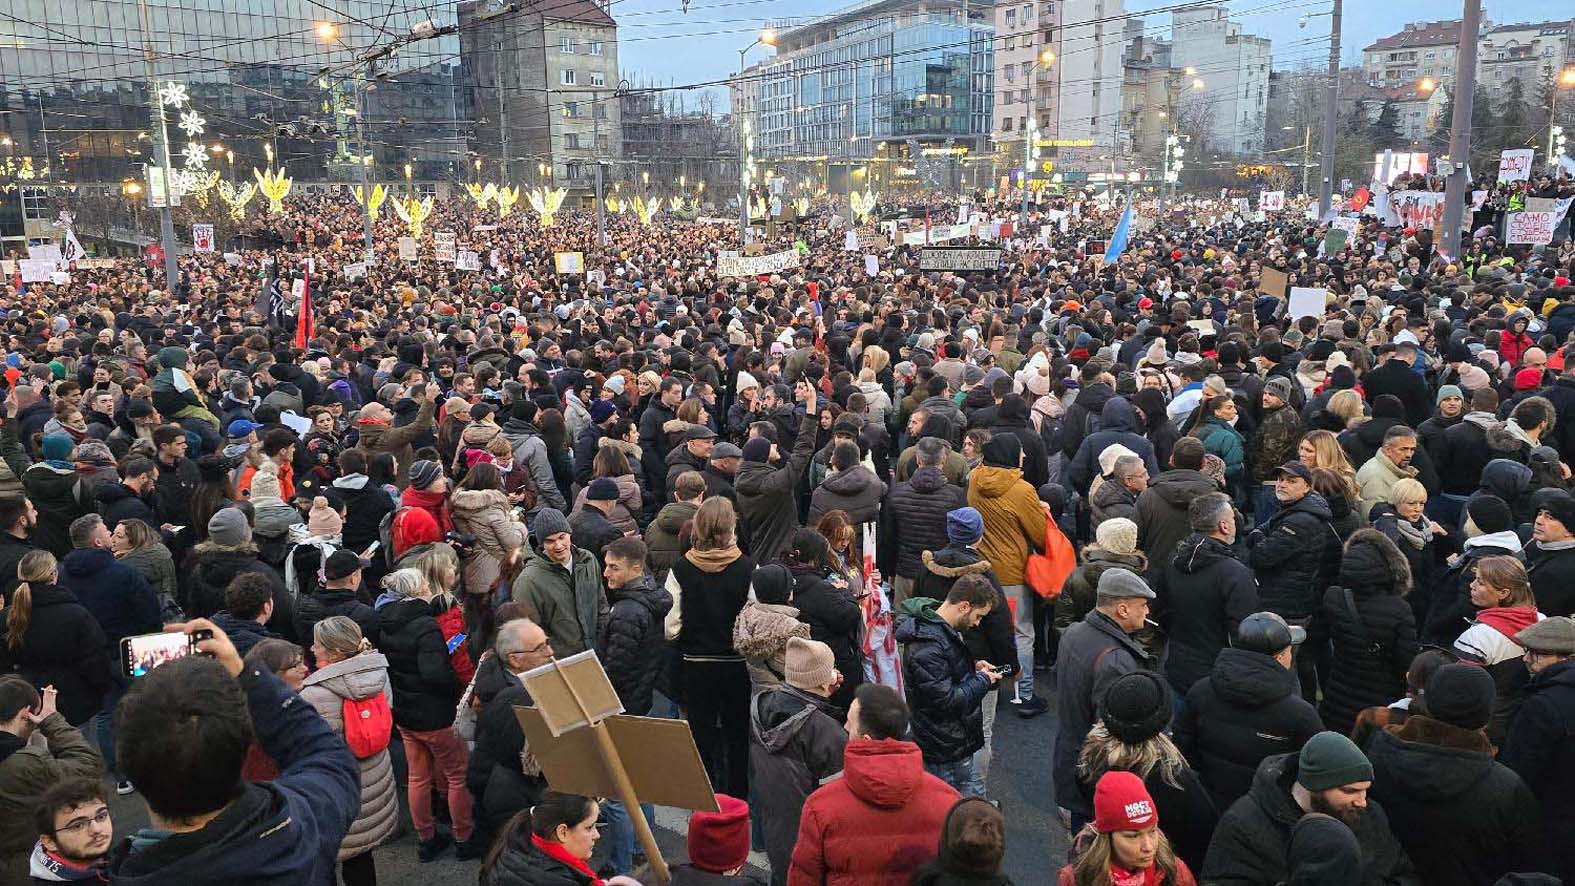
point(52, 640)
point(549, 844)
point(350, 678)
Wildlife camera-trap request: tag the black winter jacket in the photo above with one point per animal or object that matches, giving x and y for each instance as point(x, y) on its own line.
point(1251, 844)
point(944, 691)
point(1091, 655)
point(60, 496)
point(1374, 644)
point(1552, 578)
point(1248, 708)
point(1291, 556)
point(795, 742)
point(856, 491)
point(63, 647)
point(1162, 513)
point(632, 643)
point(493, 773)
point(835, 619)
point(426, 689)
point(116, 503)
point(1204, 595)
point(765, 500)
point(365, 506)
point(118, 597)
point(591, 530)
point(1541, 749)
point(313, 608)
point(993, 640)
point(1397, 377)
point(522, 864)
point(1036, 459)
point(1118, 423)
point(208, 571)
point(1082, 415)
point(709, 606)
point(1465, 452)
point(915, 515)
point(1462, 817)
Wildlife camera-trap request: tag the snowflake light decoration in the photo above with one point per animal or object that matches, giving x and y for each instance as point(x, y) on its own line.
point(173, 94)
point(196, 155)
point(192, 123)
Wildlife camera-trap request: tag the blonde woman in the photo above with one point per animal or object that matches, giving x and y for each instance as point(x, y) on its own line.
point(1347, 408)
point(350, 670)
point(1321, 449)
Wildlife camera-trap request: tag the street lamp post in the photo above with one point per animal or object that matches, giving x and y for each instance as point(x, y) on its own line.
point(1566, 80)
point(1030, 135)
point(766, 38)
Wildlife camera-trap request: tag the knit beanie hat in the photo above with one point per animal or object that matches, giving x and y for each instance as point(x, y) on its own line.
point(1108, 456)
point(1214, 468)
point(549, 522)
point(602, 410)
point(1330, 760)
point(265, 483)
point(424, 473)
point(1447, 391)
point(772, 583)
point(719, 841)
point(1460, 695)
point(757, 450)
point(602, 489)
point(95, 452)
point(1003, 451)
point(973, 840)
point(1490, 514)
point(56, 447)
point(1323, 852)
point(172, 357)
point(322, 520)
point(228, 528)
point(1122, 803)
point(1118, 535)
point(1279, 386)
point(745, 382)
point(808, 664)
point(964, 526)
point(1136, 707)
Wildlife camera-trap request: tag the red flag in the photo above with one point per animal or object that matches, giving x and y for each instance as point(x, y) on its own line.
point(1360, 198)
point(303, 315)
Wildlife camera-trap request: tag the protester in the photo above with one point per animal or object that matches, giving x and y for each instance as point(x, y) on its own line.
point(561, 585)
point(28, 768)
point(718, 846)
point(1124, 840)
point(1501, 593)
point(53, 640)
point(1207, 592)
point(75, 834)
point(1371, 628)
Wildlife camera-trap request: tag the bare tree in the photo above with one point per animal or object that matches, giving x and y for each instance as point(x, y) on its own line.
point(1195, 116)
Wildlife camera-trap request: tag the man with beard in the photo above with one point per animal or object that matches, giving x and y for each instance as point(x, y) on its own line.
point(1330, 775)
point(75, 833)
point(17, 519)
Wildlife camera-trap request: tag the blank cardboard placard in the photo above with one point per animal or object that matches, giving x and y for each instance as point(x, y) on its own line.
point(1274, 282)
point(566, 689)
point(659, 756)
point(1307, 301)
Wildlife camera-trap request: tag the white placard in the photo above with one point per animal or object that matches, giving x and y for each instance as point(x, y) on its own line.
point(1272, 201)
point(59, 278)
point(1307, 301)
point(568, 262)
point(443, 245)
point(1346, 224)
point(1514, 165)
point(202, 238)
point(356, 271)
point(1529, 228)
point(850, 241)
point(233, 259)
point(467, 260)
point(1422, 210)
point(752, 265)
point(407, 249)
point(298, 289)
point(871, 265)
point(49, 252)
point(35, 270)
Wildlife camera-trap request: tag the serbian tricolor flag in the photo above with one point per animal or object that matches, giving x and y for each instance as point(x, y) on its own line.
point(303, 315)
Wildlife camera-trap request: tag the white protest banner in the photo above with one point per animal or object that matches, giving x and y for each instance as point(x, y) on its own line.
point(467, 261)
point(1307, 302)
point(871, 265)
point(407, 249)
point(1477, 199)
point(752, 265)
point(44, 252)
point(1514, 165)
point(35, 270)
point(1271, 201)
point(850, 241)
point(1560, 209)
point(233, 259)
point(59, 278)
point(568, 262)
point(1418, 209)
point(959, 258)
point(443, 245)
point(1348, 225)
point(1528, 228)
point(356, 271)
point(715, 220)
point(202, 238)
point(1567, 165)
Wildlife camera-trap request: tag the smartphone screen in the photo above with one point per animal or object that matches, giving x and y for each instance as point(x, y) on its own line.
point(144, 653)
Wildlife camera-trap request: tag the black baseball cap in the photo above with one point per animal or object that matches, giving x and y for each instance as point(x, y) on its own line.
point(1295, 469)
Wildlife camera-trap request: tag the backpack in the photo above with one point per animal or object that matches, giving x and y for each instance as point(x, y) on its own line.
point(385, 534)
point(368, 725)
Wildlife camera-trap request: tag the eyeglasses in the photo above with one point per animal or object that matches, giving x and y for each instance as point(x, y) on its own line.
point(545, 645)
point(80, 824)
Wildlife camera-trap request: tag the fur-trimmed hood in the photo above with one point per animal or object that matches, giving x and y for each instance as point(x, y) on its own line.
point(928, 558)
point(1373, 565)
point(630, 450)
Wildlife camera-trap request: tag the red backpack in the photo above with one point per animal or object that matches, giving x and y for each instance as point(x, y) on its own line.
point(368, 725)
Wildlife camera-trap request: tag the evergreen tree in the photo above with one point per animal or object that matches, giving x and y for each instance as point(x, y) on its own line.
point(1438, 139)
point(1514, 117)
point(1384, 132)
point(1485, 146)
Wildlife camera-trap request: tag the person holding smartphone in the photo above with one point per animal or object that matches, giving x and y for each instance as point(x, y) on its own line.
point(28, 769)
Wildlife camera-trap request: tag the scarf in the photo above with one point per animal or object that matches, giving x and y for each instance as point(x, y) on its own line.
point(1151, 876)
point(1417, 535)
point(714, 560)
point(1562, 545)
point(1519, 433)
point(1508, 620)
point(556, 852)
point(434, 502)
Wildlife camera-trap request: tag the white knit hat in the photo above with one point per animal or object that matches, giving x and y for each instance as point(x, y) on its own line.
point(1108, 456)
point(745, 382)
point(1118, 535)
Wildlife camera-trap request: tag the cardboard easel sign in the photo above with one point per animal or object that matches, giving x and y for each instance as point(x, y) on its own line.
point(1274, 282)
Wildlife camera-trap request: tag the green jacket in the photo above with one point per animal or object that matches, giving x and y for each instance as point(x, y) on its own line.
point(570, 607)
point(25, 773)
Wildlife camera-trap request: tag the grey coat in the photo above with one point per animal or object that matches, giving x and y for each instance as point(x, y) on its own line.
point(356, 679)
point(857, 491)
point(1092, 654)
point(155, 564)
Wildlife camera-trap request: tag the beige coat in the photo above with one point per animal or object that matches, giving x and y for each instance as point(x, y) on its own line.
point(359, 678)
point(487, 514)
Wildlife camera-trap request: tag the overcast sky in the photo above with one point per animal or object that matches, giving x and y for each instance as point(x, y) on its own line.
point(659, 43)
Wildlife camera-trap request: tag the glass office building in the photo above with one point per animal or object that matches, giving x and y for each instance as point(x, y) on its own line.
point(883, 77)
point(274, 73)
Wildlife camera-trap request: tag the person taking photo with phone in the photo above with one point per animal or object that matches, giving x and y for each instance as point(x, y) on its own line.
point(28, 769)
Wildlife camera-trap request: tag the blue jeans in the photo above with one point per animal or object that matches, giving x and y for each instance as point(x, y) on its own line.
point(100, 728)
point(620, 837)
point(1023, 633)
point(960, 774)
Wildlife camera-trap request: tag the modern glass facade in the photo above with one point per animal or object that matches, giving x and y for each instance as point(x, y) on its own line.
point(74, 82)
point(887, 74)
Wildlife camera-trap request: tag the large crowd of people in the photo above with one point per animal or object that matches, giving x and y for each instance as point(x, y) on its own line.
point(1298, 584)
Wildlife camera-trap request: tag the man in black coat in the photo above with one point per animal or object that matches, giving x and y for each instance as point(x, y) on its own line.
point(945, 685)
point(248, 604)
point(1205, 592)
point(1294, 555)
point(653, 438)
point(130, 499)
point(17, 519)
point(337, 596)
point(1538, 747)
point(494, 772)
point(1398, 376)
point(1550, 556)
point(632, 645)
point(1329, 775)
point(915, 517)
point(603, 416)
point(177, 478)
point(1247, 709)
point(1463, 450)
point(766, 483)
point(1118, 423)
point(589, 526)
point(1011, 417)
point(1462, 817)
point(1097, 388)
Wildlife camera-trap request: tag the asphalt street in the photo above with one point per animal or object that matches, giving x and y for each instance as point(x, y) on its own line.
point(1036, 844)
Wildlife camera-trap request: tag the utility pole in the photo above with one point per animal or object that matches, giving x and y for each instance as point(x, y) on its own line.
point(503, 115)
point(1456, 185)
point(596, 151)
point(369, 252)
point(1332, 110)
point(1306, 155)
point(161, 147)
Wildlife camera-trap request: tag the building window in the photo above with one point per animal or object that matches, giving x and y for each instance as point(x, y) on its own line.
point(1006, 124)
point(571, 110)
point(596, 47)
point(598, 78)
point(1011, 18)
point(602, 143)
point(1028, 12)
point(571, 140)
point(566, 44)
point(1011, 42)
point(566, 77)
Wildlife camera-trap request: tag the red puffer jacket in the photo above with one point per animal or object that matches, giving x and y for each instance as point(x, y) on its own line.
point(877, 824)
